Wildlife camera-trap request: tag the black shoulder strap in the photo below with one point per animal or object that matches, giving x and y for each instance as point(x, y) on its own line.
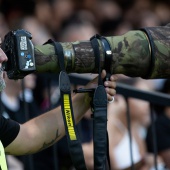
point(73, 139)
point(100, 137)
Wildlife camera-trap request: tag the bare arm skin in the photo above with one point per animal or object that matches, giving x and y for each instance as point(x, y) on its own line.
point(43, 131)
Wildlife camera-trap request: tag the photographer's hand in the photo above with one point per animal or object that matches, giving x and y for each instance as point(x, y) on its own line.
point(109, 85)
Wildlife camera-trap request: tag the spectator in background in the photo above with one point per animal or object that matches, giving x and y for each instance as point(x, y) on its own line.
point(77, 28)
point(162, 126)
point(39, 32)
point(60, 11)
point(14, 11)
point(12, 100)
point(119, 143)
point(44, 14)
point(108, 15)
point(162, 11)
point(148, 19)
point(4, 29)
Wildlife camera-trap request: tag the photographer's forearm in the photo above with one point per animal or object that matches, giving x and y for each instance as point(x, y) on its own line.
point(46, 129)
point(130, 56)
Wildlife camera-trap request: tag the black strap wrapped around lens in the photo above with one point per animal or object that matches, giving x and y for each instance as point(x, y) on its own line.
point(100, 136)
point(73, 139)
point(108, 56)
point(107, 53)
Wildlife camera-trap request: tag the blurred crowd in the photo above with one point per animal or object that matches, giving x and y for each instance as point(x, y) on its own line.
point(68, 21)
point(53, 18)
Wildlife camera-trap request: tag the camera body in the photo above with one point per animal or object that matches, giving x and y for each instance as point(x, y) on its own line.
point(19, 49)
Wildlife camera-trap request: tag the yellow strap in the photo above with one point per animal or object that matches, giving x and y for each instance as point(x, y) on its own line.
point(3, 165)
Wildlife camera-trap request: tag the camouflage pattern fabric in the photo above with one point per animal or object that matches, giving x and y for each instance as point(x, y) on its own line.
point(132, 54)
point(160, 41)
